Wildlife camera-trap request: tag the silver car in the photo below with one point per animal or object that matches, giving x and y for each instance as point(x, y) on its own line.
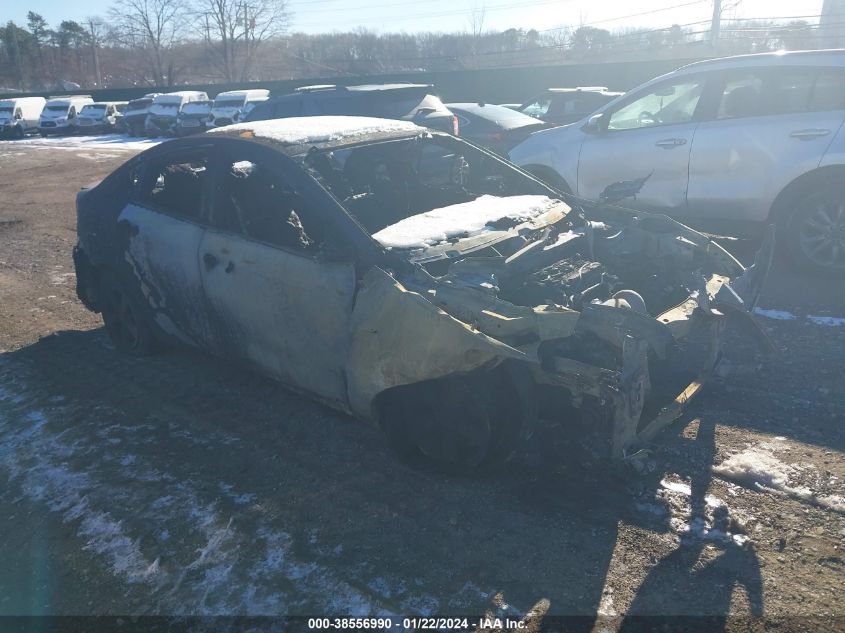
point(726, 145)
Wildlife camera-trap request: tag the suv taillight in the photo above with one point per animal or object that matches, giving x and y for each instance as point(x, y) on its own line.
point(456, 128)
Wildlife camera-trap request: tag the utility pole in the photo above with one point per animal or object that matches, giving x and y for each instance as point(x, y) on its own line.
point(830, 23)
point(716, 23)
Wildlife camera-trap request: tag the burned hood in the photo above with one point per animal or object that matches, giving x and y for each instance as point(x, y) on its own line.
point(467, 226)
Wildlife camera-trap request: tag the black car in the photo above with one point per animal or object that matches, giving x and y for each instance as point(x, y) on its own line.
point(410, 102)
point(495, 127)
point(560, 106)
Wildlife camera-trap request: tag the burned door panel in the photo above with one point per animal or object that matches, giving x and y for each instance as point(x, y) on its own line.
point(161, 252)
point(286, 313)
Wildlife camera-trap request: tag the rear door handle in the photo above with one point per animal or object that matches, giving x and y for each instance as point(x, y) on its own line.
point(806, 135)
point(210, 261)
point(669, 143)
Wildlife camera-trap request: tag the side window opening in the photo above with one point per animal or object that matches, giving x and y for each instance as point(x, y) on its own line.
point(538, 108)
point(789, 91)
point(741, 97)
point(176, 187)
point(828, 91)
point(255, 202)
point(665, 104)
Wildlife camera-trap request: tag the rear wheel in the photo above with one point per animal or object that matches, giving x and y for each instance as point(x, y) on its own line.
point(816, 231)
point(126, 322)
point(19, 132)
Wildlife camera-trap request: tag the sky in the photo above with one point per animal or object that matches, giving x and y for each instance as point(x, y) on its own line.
point(317, 16)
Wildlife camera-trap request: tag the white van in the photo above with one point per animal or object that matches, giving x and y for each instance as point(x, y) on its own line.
point(165, 110)
point(19, 116)
point(59, 114)
point(100, 116)
point(135, 116)
point(232, 106)
point(193, 118)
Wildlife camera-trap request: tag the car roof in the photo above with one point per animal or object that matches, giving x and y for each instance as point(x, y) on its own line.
point(580, 89)
point(292, 134)
point(489, 110)
point(252, 92)
point(829, 57)
point(362, 88)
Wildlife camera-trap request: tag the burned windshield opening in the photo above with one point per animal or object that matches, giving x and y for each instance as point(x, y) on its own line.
point(384, 183)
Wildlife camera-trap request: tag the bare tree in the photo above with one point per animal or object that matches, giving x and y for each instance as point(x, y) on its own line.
point(234, 30)
point(151, 28)
point(96, 31)
point(476, 18)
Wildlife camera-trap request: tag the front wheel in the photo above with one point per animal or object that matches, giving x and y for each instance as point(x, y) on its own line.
point(816, 232)
point(126, 322)
point(457, 422)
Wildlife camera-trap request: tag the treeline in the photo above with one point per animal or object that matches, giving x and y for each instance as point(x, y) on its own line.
point(168, 43)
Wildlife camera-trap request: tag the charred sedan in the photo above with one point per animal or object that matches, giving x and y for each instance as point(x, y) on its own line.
point(412, 280)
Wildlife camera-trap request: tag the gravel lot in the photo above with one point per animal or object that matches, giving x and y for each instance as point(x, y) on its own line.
point(180, 484)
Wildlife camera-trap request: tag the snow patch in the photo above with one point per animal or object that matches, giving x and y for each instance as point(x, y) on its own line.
point(779, 315)
point(317, 129)
point(758, 468)
point(464, 219)
point(826, 320)
point(116, 142)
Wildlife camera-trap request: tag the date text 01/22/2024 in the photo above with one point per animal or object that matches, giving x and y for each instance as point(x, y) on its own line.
point(459, 625)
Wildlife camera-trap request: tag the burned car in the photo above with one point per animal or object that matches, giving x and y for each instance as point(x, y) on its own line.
point(410, 279)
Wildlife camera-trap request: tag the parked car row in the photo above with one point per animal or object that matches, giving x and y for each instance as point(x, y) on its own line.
point(187, 112)
point(154, 114)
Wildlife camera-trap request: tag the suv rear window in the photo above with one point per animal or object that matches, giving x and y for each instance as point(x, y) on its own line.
point(770, 91)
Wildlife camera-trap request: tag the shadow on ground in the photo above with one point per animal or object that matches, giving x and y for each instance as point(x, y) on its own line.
point(244, 498)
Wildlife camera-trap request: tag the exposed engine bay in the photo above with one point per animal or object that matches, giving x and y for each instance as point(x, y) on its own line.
point(603, 298)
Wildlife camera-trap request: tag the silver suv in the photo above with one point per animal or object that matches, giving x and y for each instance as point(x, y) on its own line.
point(725, 145)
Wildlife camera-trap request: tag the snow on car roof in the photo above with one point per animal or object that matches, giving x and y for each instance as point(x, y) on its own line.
point(317, 129)
point(463, 219)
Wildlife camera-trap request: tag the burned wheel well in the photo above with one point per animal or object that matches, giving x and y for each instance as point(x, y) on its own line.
point(469, 419)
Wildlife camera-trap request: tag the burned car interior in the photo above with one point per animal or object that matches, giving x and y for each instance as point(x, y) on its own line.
point(382, 183)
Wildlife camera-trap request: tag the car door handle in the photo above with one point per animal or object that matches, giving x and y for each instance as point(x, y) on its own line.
point(210, 261)
point(806, 135)
point(669, 143)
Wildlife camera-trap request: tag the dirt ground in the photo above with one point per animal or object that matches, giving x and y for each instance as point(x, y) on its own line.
point(181, 484)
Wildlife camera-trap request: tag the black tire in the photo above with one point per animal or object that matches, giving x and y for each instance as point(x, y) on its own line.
point(126, 321)
point(456, 423)
point(815, 231)
point(19, 133)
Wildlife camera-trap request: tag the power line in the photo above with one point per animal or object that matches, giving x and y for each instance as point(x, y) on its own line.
point(500, 7)
point(632, 15)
